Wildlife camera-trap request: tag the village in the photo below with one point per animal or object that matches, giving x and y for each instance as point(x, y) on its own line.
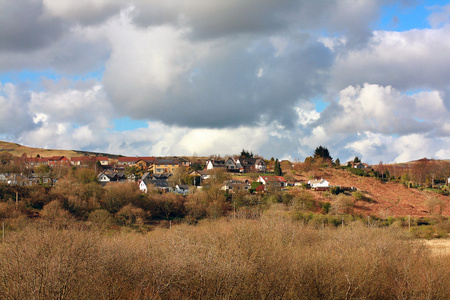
point(155, 173)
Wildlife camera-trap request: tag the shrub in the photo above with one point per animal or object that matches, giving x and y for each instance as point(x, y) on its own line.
point(336, 190)
point(359, 196)
point(130, 215)
point(326, 207)
point(343, 204)
point(101, 217)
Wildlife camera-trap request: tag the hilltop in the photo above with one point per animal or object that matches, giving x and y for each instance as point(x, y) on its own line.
point(19, 150)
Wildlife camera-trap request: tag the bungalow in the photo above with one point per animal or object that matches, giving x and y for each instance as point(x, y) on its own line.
point(316, 183)
point(277, 181)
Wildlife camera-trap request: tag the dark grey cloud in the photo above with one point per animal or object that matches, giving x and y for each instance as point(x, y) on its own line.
point(24, 27)
point(234, 84)
point(216, 19)
point(15, 118)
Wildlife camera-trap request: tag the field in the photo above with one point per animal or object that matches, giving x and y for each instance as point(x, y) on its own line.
point(270, 258)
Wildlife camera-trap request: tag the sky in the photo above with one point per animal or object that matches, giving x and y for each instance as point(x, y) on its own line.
point(366, 78)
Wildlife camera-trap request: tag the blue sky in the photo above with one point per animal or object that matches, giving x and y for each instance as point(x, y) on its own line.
point(363, 78)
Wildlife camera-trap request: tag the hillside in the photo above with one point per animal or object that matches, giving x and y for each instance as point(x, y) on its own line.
point(18, 150)
point(387, 199)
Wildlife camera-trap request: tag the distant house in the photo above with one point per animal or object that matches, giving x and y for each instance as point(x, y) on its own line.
point(107, 177)
point(233, 186)
point(89, 160)
point(316, 183)
point(277, 181)
point(158, 181)
point(126, 160)
point(166, 166)
point(230, 164)
point(203, 174)
point(182, 189)
point(359, 166)
point(58, 160)
point(214, 163)
point(246, 165)
point(3, 178)
point(144, 181)
point(36, 161)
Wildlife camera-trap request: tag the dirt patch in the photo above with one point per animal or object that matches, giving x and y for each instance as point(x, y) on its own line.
point(439, 247)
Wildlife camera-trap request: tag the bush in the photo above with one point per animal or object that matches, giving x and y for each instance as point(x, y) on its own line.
point(336, 190)
point(359, 196)
point(101, 217)
point(326, 207)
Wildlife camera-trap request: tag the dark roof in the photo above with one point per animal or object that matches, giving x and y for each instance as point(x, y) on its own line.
point(167, 161)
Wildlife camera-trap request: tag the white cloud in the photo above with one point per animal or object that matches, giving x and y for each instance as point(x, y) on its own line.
point(78, 106)
point(406, 60)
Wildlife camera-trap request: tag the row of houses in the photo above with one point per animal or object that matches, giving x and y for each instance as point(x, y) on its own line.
point(241, 164)
point(161, 182)
point(150, 164)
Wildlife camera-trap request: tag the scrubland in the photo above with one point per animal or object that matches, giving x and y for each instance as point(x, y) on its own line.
point(272, 257)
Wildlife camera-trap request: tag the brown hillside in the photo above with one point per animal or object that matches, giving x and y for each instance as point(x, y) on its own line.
point(388, 199)
point(19, 150)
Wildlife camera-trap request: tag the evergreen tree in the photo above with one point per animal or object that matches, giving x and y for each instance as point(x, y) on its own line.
point(246, 154)
point(337, 163)
point(323, 153)
point(277, 169)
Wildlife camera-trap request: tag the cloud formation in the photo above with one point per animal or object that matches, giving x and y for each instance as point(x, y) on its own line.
point(217, 76)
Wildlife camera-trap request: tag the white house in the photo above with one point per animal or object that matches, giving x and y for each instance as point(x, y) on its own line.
point(182, 189)
point(316, 183)
point(214, 164)
point(272, 180)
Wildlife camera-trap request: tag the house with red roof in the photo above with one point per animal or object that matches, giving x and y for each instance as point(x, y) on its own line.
point(271, 180)
point(58, 160)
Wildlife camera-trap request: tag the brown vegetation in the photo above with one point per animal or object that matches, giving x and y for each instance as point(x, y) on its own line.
point(233, 259)
point(382, 199)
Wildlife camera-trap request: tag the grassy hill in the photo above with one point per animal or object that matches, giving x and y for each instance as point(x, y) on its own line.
point(382, 199)
point(18, 150)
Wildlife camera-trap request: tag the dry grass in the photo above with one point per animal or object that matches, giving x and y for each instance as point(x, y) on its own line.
point(233, 259)
point(439, 247)
point(18, 150)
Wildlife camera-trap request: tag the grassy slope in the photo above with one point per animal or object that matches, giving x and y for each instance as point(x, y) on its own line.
point(18, 150)
point(389, 199)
